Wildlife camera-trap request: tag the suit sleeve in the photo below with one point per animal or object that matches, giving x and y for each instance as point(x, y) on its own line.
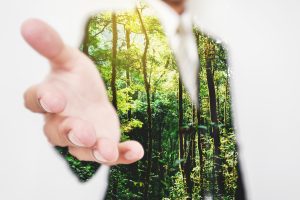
point(82, 170)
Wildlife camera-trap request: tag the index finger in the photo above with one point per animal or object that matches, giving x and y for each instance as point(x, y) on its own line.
point(46, 41)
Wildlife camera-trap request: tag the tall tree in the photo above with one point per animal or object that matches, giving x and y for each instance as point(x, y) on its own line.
point(186, 142)
point(114, 60)
point(86, 39)
point(128, 44)
point(210, 55)
point(200, 123)
point(113, 76)
point(188, 166)
point(180, 126)
point(149, 111)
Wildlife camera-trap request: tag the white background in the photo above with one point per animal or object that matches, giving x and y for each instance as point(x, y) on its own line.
point(263, 38)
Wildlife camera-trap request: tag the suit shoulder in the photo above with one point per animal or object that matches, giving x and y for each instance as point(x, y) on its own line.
point(205, 37)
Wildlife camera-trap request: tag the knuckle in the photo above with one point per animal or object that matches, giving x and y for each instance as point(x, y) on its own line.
point(73, 152)
point(52, 135)
point(76, 153)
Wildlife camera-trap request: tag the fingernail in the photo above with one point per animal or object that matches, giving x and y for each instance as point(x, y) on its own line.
point(130, 155)
point(44, 106)
point(73, 139)
point(99, 157)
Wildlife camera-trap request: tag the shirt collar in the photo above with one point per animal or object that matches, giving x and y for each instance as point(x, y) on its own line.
point(170, 19)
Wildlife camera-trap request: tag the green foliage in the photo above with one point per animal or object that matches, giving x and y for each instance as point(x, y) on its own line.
point(83, 170)
point(132, 124)
point(167, 179)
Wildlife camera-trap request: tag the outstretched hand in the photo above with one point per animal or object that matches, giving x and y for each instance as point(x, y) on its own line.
point(73, 99)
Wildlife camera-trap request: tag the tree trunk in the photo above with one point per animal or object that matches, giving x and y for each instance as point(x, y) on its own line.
point(149, 112)
point(113, 78)
point(114, 60)
point(215, 130)
point(185, 145)
point(194, 136)
point(86, 39)
point(190, 157)
point(200, 122)
point(189, 163)
point(218, 101)
point(180, 129)
point(127, 71)
point(225, 104)
point(200, 149)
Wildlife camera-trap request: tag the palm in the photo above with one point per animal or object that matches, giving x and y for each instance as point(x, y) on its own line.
point(87, 98)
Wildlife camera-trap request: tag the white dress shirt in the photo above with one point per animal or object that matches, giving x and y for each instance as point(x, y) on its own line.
point(179, 31)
